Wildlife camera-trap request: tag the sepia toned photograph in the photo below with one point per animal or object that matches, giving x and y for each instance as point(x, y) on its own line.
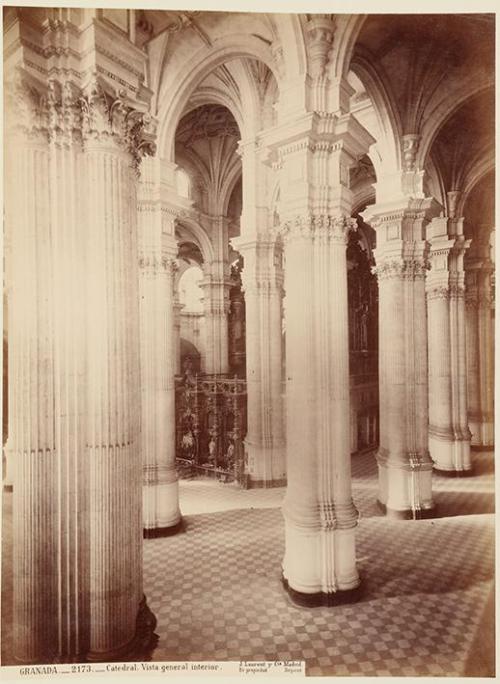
point(248, 343)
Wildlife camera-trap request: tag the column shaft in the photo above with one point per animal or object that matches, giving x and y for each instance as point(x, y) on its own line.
point(405, 467)
point(113, 430)
point(486, 358)
point(161, 488)
point(47, 400)
point(449, 437)
point(216, 302)
point(262, 283)
point(320, 517)
point(472, 346)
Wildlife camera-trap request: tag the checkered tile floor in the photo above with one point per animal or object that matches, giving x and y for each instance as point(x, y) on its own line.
point(427, 606)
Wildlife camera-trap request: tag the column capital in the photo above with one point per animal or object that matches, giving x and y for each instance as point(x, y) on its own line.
point(388, 214)
point(323, 227)
point(317, 132)
point(62, 113)
point(90, 93)
point(402, 269)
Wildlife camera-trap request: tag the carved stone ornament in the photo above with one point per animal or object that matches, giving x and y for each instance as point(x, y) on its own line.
point(64, 114)
point(152, 264)
point(325, 227)
point(409, 145)
point(407, 269)
point(320, 32)
point(25, 110)
point(440, 292)
point(107, 117)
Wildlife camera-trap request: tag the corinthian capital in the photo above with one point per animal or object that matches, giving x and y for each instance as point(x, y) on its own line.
point(109, 117)
point(26, 110)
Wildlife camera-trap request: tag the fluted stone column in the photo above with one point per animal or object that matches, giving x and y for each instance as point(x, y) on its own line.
point(45, 391)
point(75, 412)
point(486, 356)
point(480, 350)
point(216, 284)
point(157, 267)
point(113, 375)
point(404, 464)
point(262, 280)
point(8, 471)
point(313, 157)
point(216, 308)
point(472, 347)
point(177, 333)
point(320, 517)
point(449, 435)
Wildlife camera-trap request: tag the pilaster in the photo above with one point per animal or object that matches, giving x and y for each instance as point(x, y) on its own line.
point(157, 267)
point(216, 285)
point(449, 435)
point(405, 467)
point(75, 145)
point(313, 156)
point(262, 280)
point(480, 346)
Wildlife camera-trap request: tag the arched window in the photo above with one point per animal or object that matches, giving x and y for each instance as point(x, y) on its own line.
point(190, 292)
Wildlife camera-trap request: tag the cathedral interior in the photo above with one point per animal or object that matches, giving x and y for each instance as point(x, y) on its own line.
point(248, 394)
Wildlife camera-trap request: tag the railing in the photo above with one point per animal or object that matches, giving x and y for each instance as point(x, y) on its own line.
point(211, 419)
point(211, 426)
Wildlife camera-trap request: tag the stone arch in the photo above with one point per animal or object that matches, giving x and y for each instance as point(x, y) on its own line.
point(205, 96)
point(388, 144)
point(197, 235)
point(484, 167)
point(446, 108)
point(203, 63)
point(230, 182)
point(346, 35)
point(291, 37)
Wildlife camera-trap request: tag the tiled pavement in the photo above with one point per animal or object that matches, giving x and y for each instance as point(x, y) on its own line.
point(426, 607)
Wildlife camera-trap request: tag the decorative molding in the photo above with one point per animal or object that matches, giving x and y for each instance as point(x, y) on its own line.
point(64, 114)
point(403, 269)
point(409, 150)
point(326, 227)
point(320, 31)
point(111, 118)
point(457, 291)
point(439, 292)
point(155, 265)
point(207, 121)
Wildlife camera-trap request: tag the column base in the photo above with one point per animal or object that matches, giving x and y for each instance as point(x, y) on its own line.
point(407, 514)
point(318, 560)
point(155, 532)
point(320, 598)
point(266, 465)
point(482, 434)
point(450, 454)
point(139, 649)
point(403, 488)
point(160, 505)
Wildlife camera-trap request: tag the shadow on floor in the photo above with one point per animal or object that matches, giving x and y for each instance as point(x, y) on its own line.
point(450, 504)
